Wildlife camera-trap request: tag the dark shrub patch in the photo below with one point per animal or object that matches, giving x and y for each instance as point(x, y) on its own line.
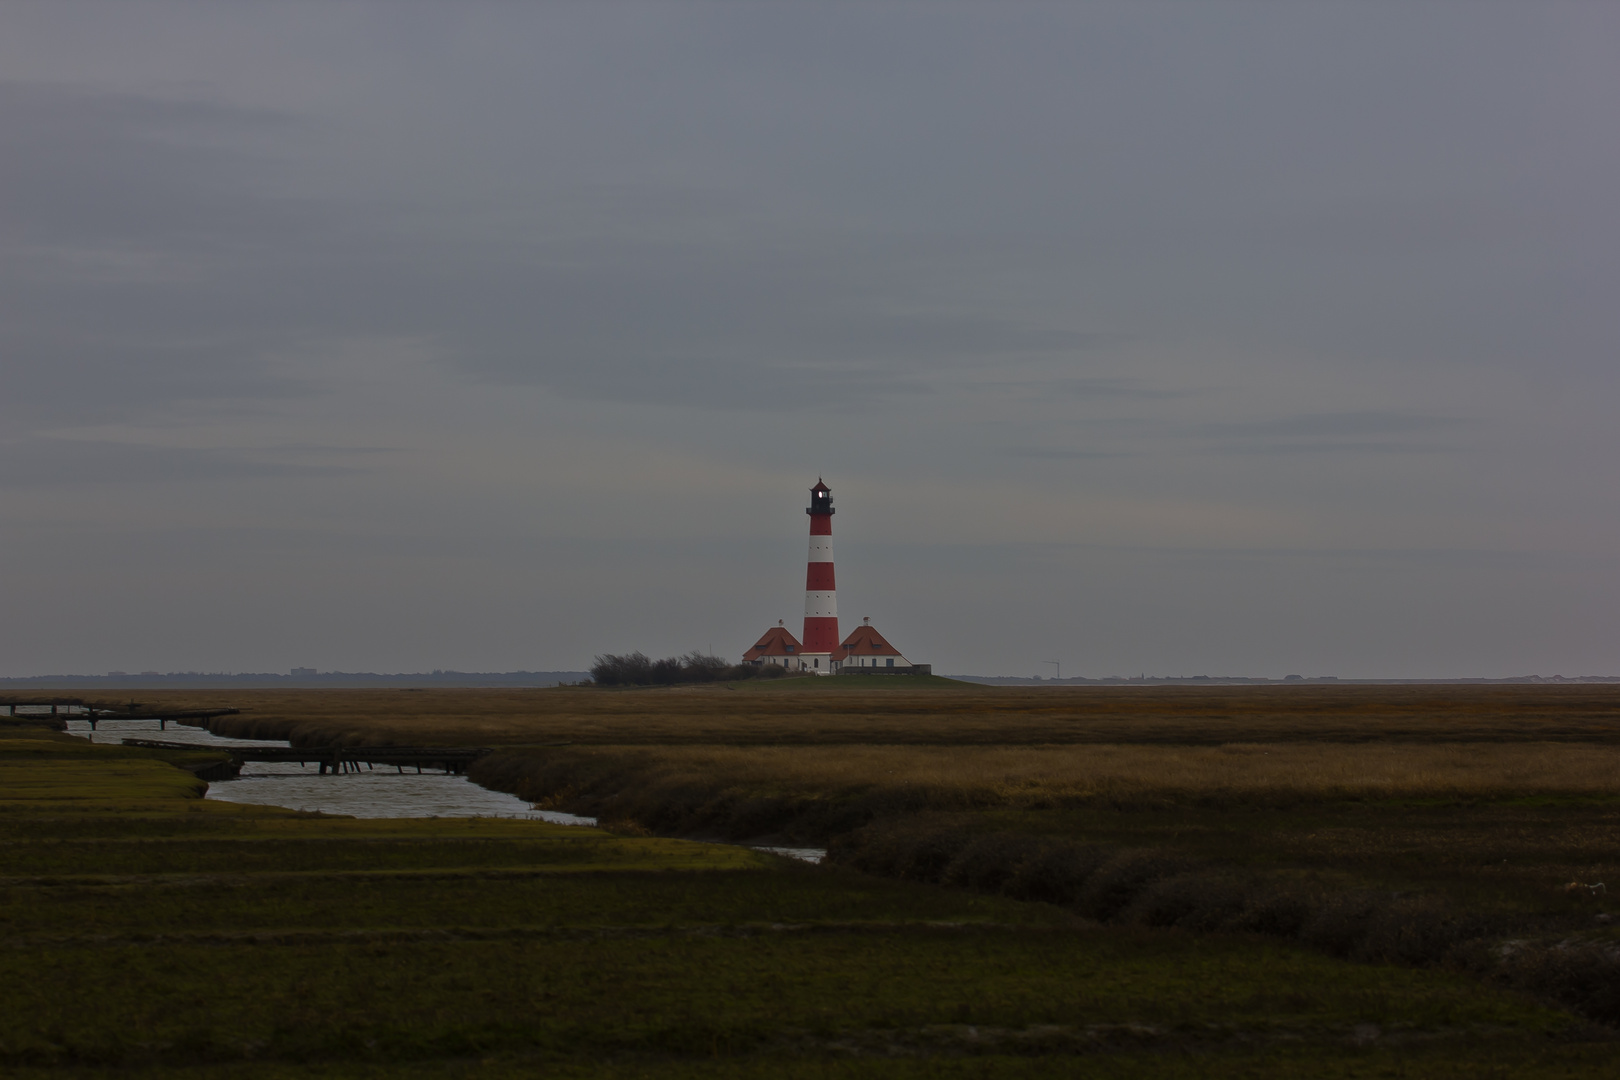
point(915, 850)
point(989, 863)
point(1191, 901)
point(636, 669)
point(1340, 924)
point(1586, 977)
point(1417, 930)
point(1122, 879)
point(1056, 872)
point(1275, 911)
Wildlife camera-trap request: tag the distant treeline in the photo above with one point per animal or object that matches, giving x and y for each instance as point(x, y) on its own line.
point(303, 679)
point(638, 669)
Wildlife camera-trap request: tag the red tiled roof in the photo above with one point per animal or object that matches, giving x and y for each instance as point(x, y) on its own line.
point(864, 640)
point(776, 641)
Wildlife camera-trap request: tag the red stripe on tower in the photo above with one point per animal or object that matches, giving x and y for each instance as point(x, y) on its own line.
point(820, 594)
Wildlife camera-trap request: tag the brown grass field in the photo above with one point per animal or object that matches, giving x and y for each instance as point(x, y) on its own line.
point(1115, 774)
point(910, 711)
point(1493, 796)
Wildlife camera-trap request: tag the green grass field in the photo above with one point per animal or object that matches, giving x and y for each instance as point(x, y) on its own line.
point(148, 932)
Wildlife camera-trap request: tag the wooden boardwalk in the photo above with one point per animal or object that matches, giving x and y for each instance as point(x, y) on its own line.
point(96, 711)
point(340, 759)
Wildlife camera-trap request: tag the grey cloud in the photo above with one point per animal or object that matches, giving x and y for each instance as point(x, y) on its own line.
point(729, 338)
point(154, 263)
point(1082, 386)
point(969, 223)
point(1057, 454)
point(137, 239)
point(50, 463)
point(102, 169)
point(1329, 446)
point(1356, 432)
point(1331, 424)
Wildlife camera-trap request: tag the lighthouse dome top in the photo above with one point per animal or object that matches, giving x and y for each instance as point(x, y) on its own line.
point(820, 499)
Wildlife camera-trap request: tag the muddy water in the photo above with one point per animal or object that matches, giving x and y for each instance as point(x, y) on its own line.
point(372, 793)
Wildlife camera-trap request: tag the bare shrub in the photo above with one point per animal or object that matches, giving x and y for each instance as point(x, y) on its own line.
point(704, 667)
point(635, 669)
point(630, 669)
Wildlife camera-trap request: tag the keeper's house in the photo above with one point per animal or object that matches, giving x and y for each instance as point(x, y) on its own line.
point(778, 647)
point(864, 652)
point(867, 652)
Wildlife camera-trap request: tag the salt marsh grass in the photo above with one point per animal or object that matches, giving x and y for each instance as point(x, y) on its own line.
point(152, 933)
point(1056, 775)
point(837, 711)
point(157, 935)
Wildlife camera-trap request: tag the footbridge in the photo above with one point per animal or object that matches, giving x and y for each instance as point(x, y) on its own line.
point(54, 711)
point(340, 759)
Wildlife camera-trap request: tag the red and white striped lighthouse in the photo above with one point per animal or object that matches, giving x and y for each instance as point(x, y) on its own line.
point(820, 592)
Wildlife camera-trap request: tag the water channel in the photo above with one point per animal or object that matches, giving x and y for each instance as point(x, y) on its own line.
point(380, 793)
point(370, 794)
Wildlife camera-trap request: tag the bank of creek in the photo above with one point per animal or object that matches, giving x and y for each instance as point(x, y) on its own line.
point(369, 793)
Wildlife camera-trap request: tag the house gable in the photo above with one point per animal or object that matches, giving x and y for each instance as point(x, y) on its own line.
point(778, 641)
point(865, 647)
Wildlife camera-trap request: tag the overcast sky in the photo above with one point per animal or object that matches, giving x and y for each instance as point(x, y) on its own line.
point(1173, 338)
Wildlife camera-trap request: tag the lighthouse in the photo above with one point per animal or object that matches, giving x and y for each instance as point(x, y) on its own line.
point(864, 652)
point(820, 591)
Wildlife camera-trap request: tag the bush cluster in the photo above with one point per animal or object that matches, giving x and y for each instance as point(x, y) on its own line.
point(1152, 887)
point(638, 669)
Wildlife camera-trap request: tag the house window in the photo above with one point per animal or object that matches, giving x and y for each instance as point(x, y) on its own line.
point(891, 661)
point(818, 661)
